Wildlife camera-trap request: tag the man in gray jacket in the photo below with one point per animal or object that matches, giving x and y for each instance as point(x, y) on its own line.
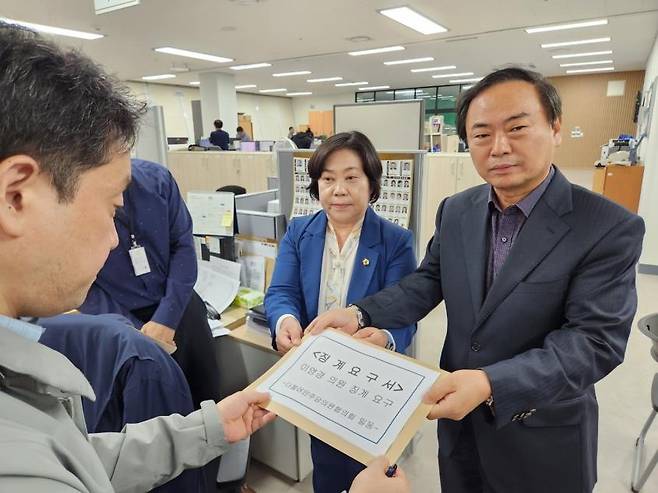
point(66, 131)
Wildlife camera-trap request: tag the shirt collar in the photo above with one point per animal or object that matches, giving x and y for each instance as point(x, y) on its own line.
point(29, 365)
point(527, 203)
point(24, 329)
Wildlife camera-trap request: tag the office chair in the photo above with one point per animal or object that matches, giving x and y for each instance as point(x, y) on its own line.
point(648, 326)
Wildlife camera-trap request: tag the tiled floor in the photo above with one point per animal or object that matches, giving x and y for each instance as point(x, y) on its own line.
point(624, 398)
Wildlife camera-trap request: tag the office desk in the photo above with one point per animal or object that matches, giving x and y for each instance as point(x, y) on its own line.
point(243, 356)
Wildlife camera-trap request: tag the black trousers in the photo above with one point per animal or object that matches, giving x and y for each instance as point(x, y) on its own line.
point(460, 471)
point(194, 354)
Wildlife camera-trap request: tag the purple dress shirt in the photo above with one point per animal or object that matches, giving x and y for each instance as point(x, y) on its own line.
point(505, 226)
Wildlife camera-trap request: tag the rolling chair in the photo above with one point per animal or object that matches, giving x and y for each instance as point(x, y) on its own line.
point(649, 327)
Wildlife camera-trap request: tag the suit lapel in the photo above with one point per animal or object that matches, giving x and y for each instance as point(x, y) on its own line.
point(539, 235)
point(311, 252)
point(365, 262)
point(474, 242)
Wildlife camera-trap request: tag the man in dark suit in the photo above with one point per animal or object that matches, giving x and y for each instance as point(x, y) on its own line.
point(219, 137)
point(538, 276)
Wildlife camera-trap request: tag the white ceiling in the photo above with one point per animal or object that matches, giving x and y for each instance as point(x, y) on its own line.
point(312, 35)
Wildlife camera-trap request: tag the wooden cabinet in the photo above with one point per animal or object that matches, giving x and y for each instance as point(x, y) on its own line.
point(321, 122)
point(621, 184)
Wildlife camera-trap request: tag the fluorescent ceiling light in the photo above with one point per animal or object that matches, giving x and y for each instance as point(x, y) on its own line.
point(325, 79)
point(345, 84)
point(307, 93)
point(577, 64)
point(445, 76)
point(376, 50)
point(583, 70)
point(413, 20)
point(159, 77)
point(252, 65)
point(466, 88)
point(572, 25)
point(574, 43)
point(273, 90)
point(195, 83)
point(461, 81)
point(410, 60)
point(193, 54)
point(245, 86)
point(59, 31)
point(288, 74)
point(433, 69)
point(373, 88)
point(575, 55)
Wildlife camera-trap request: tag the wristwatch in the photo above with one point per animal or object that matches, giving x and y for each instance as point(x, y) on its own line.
point(362, 318)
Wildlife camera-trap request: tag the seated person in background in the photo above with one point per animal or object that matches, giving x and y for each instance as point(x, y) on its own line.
point(303, 140)
point(333, 257)
point(159, 298)
point(291, 132)
point(242, 135)
point(219, 137)
point(133, 379)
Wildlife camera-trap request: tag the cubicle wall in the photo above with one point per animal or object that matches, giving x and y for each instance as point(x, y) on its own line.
point(209, 170)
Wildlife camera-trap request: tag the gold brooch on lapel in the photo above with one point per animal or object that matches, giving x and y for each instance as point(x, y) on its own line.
point(365, 262)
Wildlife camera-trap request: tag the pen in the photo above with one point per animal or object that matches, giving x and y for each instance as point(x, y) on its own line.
point(390, 472)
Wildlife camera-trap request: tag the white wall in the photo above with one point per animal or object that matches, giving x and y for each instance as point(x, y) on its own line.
point(301, 105)
point(175, 101)
point(649, 154)
point(270, 116)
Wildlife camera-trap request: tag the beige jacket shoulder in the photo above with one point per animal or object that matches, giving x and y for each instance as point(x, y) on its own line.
point(44, 445)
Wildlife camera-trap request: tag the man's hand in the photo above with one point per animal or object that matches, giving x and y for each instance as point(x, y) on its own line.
point(241, 415)
point(343, 319)
point(159, 332)
point(456, 394)
point(373, 479)
point(372, 335)
point(289, 335)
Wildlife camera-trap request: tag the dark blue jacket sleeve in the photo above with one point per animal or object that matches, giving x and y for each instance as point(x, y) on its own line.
point(182, 261)
point(402, 262)
point(285, 292)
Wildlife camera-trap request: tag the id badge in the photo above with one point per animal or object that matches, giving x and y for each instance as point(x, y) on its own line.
point(139, 260)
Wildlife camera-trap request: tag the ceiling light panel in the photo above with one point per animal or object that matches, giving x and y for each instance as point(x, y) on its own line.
point(250, 66)
point(433, 69)
point(585, 70)
point(413, 20)
point(576, 43)
point(410, 60)
point(373, 88)
point(159, 77)
point(193, 54)
point(324, 79)
point(576, 55)
point(374, 51)
point(59, 31)
point(571, 25)
point(246, 86)
point(290, 74)
point(578, 64)
point(346, 84)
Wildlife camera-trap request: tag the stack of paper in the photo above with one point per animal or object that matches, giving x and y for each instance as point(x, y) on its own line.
point(217, 283)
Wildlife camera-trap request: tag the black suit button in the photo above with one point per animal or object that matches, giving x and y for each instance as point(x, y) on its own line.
point(475, 347)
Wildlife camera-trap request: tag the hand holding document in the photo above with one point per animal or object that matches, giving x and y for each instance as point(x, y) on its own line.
point(361, 399)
